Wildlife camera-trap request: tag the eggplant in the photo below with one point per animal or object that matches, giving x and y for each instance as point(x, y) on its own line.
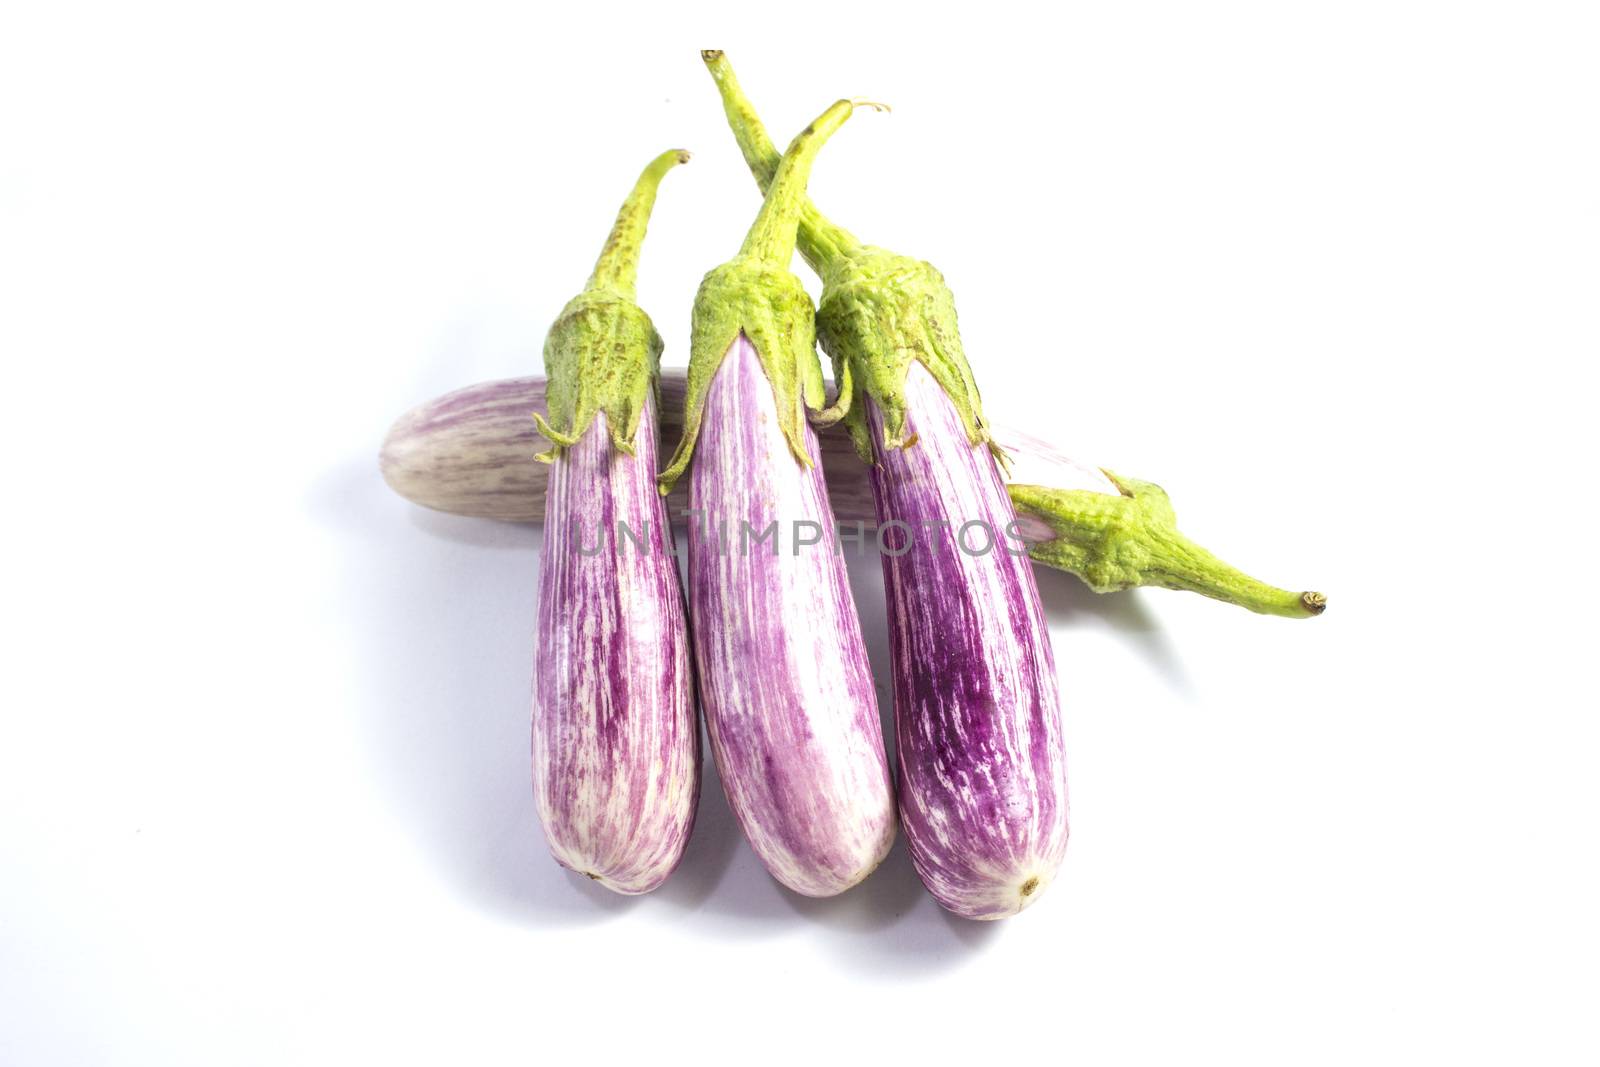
point(785, 682)
point(977, 729)
point(616, 743)
point(470, 452)
point(982, 773)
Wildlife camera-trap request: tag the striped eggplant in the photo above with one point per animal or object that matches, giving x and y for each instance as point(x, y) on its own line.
point(470, 452)
point(982, 778)
point(783, 670)
point(616, 744)
point(977, 731)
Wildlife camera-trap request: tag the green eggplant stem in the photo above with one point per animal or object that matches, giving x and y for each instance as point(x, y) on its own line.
point(756, 295)
point(821, 241)
point(618, 265)
point(771, 239)
point(603, 353)
point(1121, 542)
point(879, 311)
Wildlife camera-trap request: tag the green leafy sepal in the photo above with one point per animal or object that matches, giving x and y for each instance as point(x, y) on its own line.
point(602, 354)
point(773, 311)
point(879, 313)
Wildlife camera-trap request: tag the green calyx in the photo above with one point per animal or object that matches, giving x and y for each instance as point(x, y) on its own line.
point(879, 311)
point(1120, 542)
point(603, 353)
point(756, 294)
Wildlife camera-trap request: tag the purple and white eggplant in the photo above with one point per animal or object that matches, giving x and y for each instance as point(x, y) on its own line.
point(978, 731)
point(616, 744)
point(784, 677)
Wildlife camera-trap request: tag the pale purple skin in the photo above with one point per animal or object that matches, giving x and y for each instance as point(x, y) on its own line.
point(983, 788)
point(470, 452)
point(784, 677)
point(616, 743)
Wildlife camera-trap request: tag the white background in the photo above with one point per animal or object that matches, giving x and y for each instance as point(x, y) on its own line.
point(1328, 274)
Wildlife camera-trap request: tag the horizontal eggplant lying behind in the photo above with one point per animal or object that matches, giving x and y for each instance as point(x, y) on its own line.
point(471, 452)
